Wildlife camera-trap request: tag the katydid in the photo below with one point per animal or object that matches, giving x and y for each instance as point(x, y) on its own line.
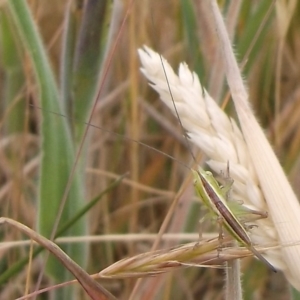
point(212, 196)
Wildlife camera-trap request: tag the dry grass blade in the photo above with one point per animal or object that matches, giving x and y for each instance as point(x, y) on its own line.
point(92, 288)
point(283, 206)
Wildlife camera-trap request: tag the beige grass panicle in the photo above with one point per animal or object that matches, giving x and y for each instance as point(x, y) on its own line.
point(205, 254)
point(217, 135)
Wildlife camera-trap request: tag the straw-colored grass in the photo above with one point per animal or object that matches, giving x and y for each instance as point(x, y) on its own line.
point(157, 195)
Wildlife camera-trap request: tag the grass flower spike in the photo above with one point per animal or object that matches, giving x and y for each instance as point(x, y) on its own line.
point(217, 135)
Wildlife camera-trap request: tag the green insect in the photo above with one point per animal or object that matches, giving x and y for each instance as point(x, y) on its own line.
point(214, 197)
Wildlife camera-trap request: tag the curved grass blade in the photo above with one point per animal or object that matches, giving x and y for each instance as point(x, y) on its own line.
point(57, 147)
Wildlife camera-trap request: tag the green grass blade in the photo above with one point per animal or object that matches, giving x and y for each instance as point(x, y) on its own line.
point(57, 147)
point(67, 57)
point(16, 267)
point(87, 62)
point(191, 37)
point(252, 26)
point(14, 79)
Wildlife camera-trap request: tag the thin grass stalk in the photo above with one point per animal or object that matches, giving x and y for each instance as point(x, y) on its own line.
point(134, 129)
point(285, 11)
point(233, 282)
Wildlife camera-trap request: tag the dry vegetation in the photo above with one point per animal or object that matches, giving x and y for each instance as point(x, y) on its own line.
point(267, 44)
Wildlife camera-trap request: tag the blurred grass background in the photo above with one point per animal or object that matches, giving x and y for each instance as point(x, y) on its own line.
point(39, 146)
